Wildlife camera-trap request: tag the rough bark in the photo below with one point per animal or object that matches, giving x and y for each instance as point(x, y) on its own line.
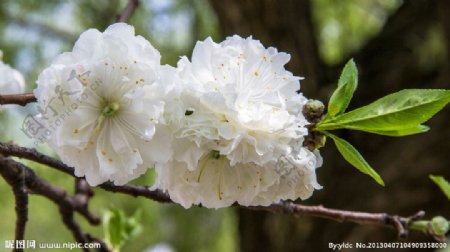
point(387, 63)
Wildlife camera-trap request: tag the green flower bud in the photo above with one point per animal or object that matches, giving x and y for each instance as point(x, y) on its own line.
point(440, 225)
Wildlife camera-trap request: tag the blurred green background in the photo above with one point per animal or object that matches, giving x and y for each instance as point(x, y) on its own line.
point(32, 33)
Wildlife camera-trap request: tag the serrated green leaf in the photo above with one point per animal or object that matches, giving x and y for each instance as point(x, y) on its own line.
point(399, 111)
point(343, 94)
point(353, 156)
point(401, 132)
point(442, 183)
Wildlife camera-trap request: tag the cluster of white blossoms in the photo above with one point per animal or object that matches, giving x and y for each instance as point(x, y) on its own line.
point(225, 127)
point(11, 80)
point(239, 131)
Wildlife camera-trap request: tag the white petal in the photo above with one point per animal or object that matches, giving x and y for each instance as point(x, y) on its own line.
point(214, 184)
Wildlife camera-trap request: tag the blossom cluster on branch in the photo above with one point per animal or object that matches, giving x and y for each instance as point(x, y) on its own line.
point(224, 127)
point(11, 81)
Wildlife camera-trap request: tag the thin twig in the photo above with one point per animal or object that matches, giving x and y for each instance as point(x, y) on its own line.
point(401, 224)
point(19, 99)
point(383, 219)
point(136, 191)
point(128, 11)
point(83, 193)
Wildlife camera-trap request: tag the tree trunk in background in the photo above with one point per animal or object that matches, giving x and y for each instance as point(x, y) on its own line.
point(387, 63)
point(286, 24)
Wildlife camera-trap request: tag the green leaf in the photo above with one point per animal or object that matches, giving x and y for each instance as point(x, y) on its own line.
point(400, 111)
point(133, 226)
point(354, 157)
point(401, 132)
point(119, 229)
point(442, 183)
point(112, 227)
point(344, 92)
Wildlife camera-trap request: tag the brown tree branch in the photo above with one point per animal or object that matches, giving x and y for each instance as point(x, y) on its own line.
point(137, 191)
point(19, 99)
point(21, 198)
point(399, 223)
point(128, 11)
point(17, 184)
point(83, 192)
point(68, 205)
point(33, 155)
point(69, 220)
point(383, 219)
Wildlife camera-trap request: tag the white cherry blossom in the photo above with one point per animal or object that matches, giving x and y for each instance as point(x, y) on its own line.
point(102, 107)
point(11, 80)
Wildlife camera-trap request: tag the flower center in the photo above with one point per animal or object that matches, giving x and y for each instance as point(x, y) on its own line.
point(110, 109)
point(215, 154)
